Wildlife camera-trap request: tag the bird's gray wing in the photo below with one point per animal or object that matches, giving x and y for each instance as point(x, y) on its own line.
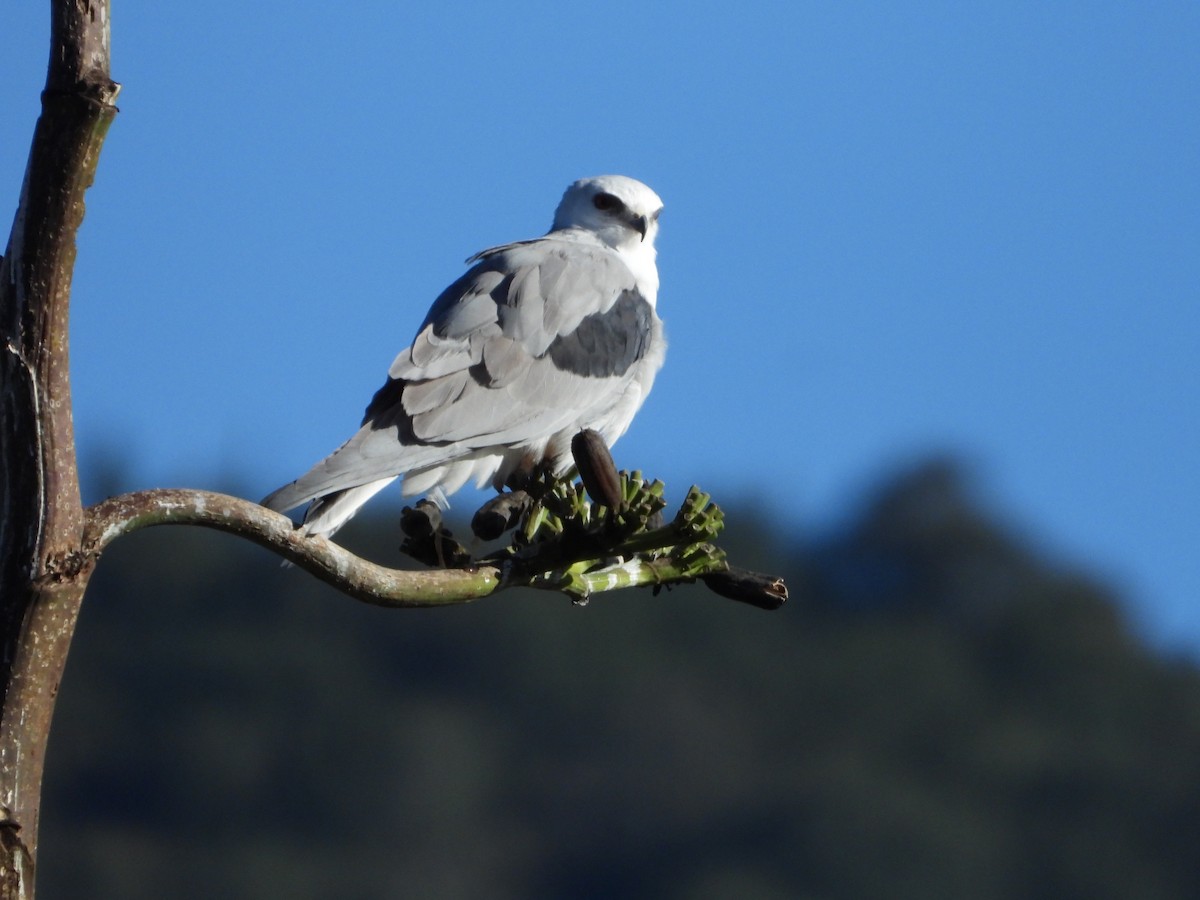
point(535, 337)
point(560, 324)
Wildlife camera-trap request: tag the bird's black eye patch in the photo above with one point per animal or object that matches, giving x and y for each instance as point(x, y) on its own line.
point(607, 203)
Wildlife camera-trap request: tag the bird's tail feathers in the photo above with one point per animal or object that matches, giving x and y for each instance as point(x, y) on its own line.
point(329, 513)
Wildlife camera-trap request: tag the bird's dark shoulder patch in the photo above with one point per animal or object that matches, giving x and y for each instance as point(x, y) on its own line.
point(606, 344)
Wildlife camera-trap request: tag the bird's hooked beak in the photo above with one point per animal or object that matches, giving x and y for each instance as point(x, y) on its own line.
point(641, 224)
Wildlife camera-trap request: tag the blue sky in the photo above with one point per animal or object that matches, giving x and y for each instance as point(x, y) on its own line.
point(890, 230)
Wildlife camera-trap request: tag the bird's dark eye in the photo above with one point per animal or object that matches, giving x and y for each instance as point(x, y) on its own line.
point(606, 203)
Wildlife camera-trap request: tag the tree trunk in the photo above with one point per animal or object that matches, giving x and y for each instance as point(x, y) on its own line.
point(42, 571)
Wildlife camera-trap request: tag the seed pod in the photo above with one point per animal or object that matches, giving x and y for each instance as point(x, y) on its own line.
point(422, 520)
point(427, 540)
point(763, 591)
point(499, 514)
point(596, 468)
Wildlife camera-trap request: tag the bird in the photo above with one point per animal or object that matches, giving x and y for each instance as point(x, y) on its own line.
point(538, 340)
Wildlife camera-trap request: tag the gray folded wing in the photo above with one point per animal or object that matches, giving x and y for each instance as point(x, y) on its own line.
point(535, 338)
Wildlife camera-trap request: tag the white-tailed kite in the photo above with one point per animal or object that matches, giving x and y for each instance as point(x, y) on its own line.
point(538, 340)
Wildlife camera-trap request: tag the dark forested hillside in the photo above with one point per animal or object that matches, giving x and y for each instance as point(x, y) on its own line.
point(938, 713)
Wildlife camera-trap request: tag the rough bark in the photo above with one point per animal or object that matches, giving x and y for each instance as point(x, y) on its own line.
point(41, 519)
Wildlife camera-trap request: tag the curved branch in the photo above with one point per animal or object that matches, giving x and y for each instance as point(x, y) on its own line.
point(333, 564)
point(379, 585)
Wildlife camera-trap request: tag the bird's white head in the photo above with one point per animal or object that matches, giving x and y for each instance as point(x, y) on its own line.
point(621, 211)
